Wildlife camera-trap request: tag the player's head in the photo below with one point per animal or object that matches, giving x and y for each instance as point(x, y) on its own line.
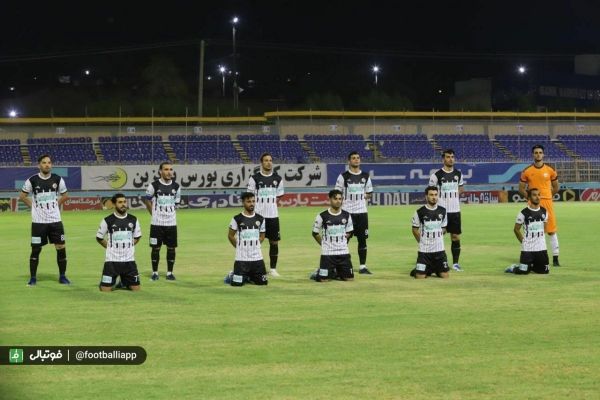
point(448, 157)
point(335, 199)
point(120, 202)
point(354, 159)
point(165, 169)
point(533, 195)
point(45, 163)
point(538, 152)
point(248, 200)
point(431, 195)
point(266, 162)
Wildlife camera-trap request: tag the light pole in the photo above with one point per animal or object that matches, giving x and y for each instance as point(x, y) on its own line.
point(375, 70)
point(222, 70)
point(236, 92)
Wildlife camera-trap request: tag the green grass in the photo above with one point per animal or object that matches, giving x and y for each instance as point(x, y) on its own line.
point(481, 334)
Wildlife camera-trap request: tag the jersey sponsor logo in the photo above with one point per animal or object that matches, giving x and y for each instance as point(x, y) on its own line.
point(344, 220)
point(257, 223)
point(54, 186)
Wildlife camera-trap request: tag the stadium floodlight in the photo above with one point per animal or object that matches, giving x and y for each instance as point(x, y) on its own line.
point(13, 113)
point(521, 69)
point(375, 70)
point(222, 70)
point(235, 20)
point(87, 72)
point(236, 92)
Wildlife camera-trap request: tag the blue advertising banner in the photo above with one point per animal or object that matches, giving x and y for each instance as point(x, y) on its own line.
point(418, 173)
point(13, 178)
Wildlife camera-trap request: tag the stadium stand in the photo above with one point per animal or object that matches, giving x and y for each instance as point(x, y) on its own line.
point(204, 148)
point(471, 147)
point(77, 150)
point(288, 150)
point(520, 146)
point(133, 149)
point(405, 147)
point(335, 148)
point(585, 146)
point(10, 152)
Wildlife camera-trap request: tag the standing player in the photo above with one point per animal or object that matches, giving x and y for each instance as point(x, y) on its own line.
point(543, 177)
point(123, 231)
point(246, 233)
point(332, 230)
point(357, 188)
point(267, 186)
point(162, 197)
point(449, 182)
point(46, 224)
point(529, 230)
point(428, 227)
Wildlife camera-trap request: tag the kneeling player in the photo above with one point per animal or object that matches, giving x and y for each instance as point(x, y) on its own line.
point(123, 231)
point(529, 230)
point(428, 227)
point(246, 233)
point(332, 230)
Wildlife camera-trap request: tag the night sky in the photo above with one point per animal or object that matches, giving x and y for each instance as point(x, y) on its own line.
point(292, 48)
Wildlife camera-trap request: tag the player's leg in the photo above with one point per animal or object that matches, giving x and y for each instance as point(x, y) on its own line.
point(170, 241)
point(156, 240)
point(420, 271)
point(551, 230)
point(56, 235)
point(325, 269)
point(455, 229)
point(109, 277)
point(524, 266)
point(273, 234)
point(130, 277)
point(39, 238)
point(258, 273)
point(540, 264)
point(361, 231)
point(344, 269)
point(440, 265)
point(240, 271)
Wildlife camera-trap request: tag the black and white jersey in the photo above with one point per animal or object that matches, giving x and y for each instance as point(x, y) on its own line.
point(44, 197)
point(448, 184)
point(354, 186)
point(164, 197)
point(266, 188)
point(431, 222)
point(248, 230)
point(333, 229)
point(121, 232)
point(533, 221)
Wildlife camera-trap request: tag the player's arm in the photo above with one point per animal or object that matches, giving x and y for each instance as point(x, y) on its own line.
point(416, 233)
point(231, 237)
point(523, 189)
point(261, 236)
point(137, 233)
point(62, 189)
point(148, 204)
point(316, 232)
point(24, 194)
point(518, 232)
point(369, 189)
point(349, 229)
point(24, 197)
point(555, 186)
point(101, 234)
point(317, 237)
point(148, 198)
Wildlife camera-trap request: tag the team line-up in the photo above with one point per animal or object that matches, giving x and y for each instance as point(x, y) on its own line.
point(333, 228)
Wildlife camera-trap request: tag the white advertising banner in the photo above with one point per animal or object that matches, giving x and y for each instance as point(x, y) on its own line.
point(132, 177)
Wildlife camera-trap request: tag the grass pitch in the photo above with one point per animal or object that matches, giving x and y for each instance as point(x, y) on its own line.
point(482, 334)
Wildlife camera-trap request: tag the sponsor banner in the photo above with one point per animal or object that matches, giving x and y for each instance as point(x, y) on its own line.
point(562, 195)
point(82, 204)
point(419, 173)
point(304, 199)
point(6, 204)
point(13, 178)
point(484, 197)
point(137, 177)
point(590, 195)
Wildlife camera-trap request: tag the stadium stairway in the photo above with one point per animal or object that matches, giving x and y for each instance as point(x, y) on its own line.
point(503, 149)
point(98, 152)
point(170, 152)
point(25, 154)
point(566, 150)
point(376, 151)
point(309, 150)
point(243, 155)
point(436, 146)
